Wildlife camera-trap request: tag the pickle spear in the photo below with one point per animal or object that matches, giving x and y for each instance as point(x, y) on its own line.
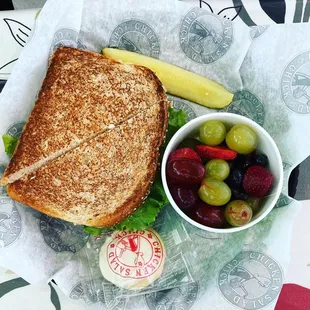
point(178, 81)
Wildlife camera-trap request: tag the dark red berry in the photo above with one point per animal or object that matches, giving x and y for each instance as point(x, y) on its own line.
point(257, 181)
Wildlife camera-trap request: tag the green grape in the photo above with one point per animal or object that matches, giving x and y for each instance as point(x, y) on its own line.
point(214, 192)
point(242, 139)
point(254, 203)
point(189, 142)
point(238, 213)
point(212, 132)
point(217, 169)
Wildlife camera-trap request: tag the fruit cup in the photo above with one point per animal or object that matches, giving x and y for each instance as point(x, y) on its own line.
point(266, 146)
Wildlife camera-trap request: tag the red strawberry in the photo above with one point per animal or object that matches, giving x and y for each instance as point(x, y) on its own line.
point(211, 152)
point(184, 153)
point(257, 181)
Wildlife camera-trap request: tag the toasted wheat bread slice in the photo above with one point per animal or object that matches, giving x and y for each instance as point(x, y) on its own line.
point(83, 95)
point(103, 180)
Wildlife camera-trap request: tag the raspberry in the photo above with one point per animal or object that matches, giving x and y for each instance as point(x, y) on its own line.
point(257, 181)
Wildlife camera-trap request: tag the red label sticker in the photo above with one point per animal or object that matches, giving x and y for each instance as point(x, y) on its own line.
point(135, 255)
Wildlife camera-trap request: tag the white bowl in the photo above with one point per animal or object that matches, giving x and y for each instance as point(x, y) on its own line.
point(266, 146)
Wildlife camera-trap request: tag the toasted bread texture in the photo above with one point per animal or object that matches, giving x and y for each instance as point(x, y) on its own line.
point(104, 179)
point(83, 95)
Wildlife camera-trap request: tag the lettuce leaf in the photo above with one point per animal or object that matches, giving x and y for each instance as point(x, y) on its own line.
point(9, 144)
point(93, 230)
point(147, 213)
point(149, 210)
point(177, 119)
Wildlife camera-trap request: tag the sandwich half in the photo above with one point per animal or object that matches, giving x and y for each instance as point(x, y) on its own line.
point(104, 179)
point(83, 95)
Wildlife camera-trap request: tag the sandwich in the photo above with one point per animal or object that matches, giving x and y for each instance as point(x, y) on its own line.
point(89, 151)
point(104, 179)
point(83, 95)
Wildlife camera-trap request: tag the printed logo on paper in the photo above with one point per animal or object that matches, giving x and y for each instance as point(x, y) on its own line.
point(10, 222)
point(295, 84)
point(180, 104)
point(77, 292)
point(15, 130)
point(62, 236)
point(283, 201)
point(258, 30)
point(110, 300)
point(136, 36)
point(247, 104)
point(286, 168)
point(205, 37)
point(135, 255)
point(91, 297)
point(183, 297)
point(252, 280)
point(66, 37)
point(2, 188)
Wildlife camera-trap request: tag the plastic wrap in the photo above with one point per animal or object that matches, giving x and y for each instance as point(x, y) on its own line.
point(177, 259)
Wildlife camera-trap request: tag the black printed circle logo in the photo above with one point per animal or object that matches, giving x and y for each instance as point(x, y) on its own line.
point(136, 36)
point(183, 297)
point(295, 84)
point(180, 104)
point(252, 280)
point(247, 104)
point(90, 294)
point(205, 37)
point(2, 188)
point(66, 37)
point(62, 236)
point(10, 222)
point(15, 130)
point(258, 30)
